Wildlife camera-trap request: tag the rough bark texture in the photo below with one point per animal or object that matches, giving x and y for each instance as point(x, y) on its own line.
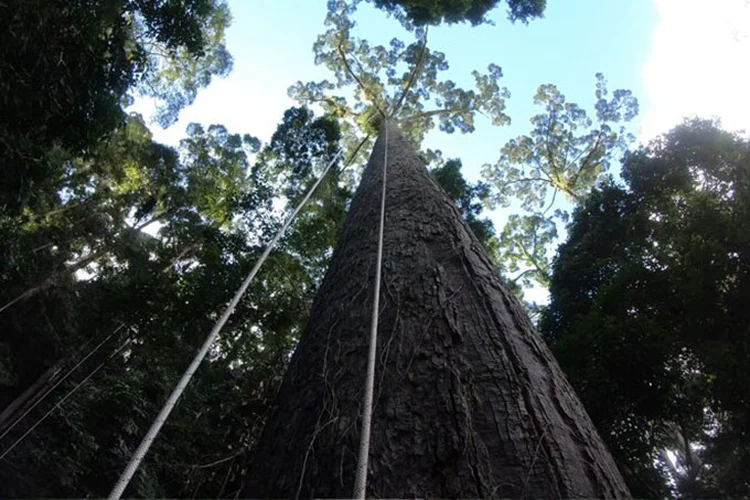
point(469, 401)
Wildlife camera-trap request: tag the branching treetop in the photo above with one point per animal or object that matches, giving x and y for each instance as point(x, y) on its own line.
point(402, 82)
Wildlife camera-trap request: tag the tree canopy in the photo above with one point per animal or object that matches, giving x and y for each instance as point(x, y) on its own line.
point(566, 153)
point(68, 66)
point(398, 81)
point(648, 312)
point(422, 12)
point(119, 252)
point(214, 209)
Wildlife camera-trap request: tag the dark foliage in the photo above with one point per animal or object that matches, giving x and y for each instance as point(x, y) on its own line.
point(468, 198)
point(453, 11)
point(649, 313)
point(66, 67)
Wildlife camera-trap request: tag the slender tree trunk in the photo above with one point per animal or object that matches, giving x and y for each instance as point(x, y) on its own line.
point(469, 401)
point(31, 395)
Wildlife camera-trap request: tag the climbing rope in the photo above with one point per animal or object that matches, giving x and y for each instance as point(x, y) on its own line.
point(360, 481)
point(148, 439)
point(68, 395)
point(55, 386)
point(94, 350)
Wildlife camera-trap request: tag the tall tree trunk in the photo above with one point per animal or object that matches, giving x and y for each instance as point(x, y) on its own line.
point(469, 401)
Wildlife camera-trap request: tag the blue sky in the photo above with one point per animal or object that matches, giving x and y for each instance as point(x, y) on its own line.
point(679, 57)
point(271, 42)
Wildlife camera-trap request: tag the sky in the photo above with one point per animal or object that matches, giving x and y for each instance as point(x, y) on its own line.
point(679, 57)
point(698, 63)
point(271, 42)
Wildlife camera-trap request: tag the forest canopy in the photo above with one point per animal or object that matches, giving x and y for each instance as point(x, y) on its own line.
point(453, 11)
point(651, 290)
point(118, 252)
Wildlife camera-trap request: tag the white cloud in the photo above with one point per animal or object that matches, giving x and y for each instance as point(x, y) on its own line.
point(699, 65)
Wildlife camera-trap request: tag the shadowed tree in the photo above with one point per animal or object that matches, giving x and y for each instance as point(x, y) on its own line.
point(469, 200)
point(216, 208)
point(421, 12)
point(649, 318)
point(67, 67)
point(468, 400)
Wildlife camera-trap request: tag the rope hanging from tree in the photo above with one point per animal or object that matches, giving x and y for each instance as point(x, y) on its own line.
point(56, 385)
point(68, 395)
point(156, 426)
point(192, 368)
point(360, 481)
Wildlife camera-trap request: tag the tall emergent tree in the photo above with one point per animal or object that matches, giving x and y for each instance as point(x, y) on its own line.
point(468, 399)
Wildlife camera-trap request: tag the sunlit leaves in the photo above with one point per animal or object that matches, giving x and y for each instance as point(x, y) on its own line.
point(300, 148)
point(566, 153)
point(69, 67)
point(402, 81)
point(186, 53)
point(215, 165)
point(524, 247)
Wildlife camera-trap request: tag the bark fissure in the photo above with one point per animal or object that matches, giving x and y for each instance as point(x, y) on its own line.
point(469, 400)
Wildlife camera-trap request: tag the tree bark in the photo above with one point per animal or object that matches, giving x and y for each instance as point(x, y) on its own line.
point(469, 401)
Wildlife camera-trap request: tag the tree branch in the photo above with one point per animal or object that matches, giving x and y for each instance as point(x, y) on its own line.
point(356, 150)
point(412, 77)
point(515, 280)
point(524, 179)
point(335, 104)
point(554, 195)
point(180, 255)
point(533, 261)
point(436, 112)
point(587, 159)
point(221, 461)
point(79, 264)
point(359, 82)
point(550, 156)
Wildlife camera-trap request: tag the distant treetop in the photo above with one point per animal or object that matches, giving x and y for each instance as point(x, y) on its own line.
point(422, 12)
